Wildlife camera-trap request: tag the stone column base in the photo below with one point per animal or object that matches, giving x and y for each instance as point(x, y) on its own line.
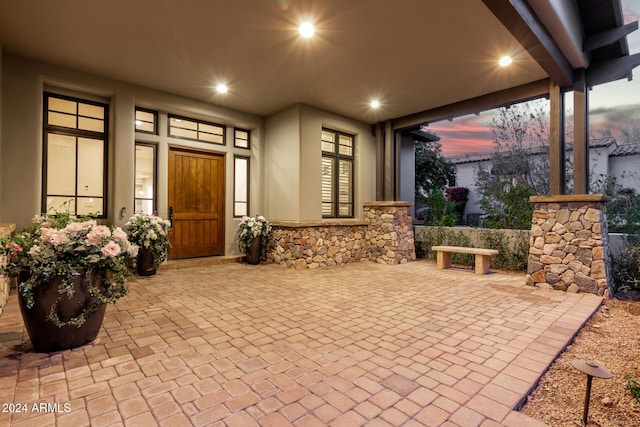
point(569, 247)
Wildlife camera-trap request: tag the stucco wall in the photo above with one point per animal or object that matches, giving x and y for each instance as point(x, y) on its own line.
point(285, 156)
point(293, 162)
point(23, 82)
point(623, 168)
point(0, 126)
point(466, 177)
point(282, 165)
point(626, 170)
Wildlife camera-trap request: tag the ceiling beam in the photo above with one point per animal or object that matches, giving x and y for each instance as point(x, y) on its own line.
point(611, 70)
point(475, 105)
point(524, 25)
point(608, 37)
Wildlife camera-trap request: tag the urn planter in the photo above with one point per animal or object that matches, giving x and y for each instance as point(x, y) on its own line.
point(49, 322)
point(145, 263)
point(253, 251)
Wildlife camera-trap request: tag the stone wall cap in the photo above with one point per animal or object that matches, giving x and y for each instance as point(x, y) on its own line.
point(320, 223)
point(388, 203)
point(568, 198)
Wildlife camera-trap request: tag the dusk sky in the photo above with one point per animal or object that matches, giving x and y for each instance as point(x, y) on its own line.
point(611, 105)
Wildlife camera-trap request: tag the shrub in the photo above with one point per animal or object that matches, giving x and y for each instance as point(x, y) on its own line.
point(439, 212)
point(626, 269)
point(458, 196)
point(512, 256)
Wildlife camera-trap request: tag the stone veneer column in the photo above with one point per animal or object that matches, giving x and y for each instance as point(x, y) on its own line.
point(569, 247)
point(390, 232)
point(6, 230)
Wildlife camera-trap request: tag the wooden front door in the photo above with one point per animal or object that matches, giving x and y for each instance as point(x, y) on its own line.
point(196, 203)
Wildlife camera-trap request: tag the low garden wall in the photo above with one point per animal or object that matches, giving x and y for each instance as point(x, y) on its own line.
point(513, 245)
point(384, 235)
point(6, 230)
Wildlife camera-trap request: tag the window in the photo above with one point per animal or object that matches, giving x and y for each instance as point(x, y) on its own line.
point(240, 186)
point(146, 121)
point(337, 174)
point(74, 158)
point(197, 130)
point(145, 179)
point(241, 138)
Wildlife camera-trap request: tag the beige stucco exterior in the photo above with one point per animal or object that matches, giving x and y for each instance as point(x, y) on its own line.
point(285, 154)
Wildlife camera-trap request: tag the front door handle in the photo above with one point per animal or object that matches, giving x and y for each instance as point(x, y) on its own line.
point(171, 216)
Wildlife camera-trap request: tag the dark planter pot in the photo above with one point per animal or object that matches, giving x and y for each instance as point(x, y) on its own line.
point(253, 252)
point(45, 335)
point(145, 264)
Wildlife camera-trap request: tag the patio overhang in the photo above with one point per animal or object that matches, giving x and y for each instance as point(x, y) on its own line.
point(578, 44)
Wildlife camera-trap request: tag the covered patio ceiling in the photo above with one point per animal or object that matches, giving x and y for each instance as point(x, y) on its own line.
point(411, 55)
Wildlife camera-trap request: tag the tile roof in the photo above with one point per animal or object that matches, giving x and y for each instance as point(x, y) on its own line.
point(485, 156)
point(627, 150)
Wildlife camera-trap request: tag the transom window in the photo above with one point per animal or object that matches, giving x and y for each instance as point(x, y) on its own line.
point(241, 138)
point(337, 174)
point(197, 130)
point(75, 162)
point(146, 121)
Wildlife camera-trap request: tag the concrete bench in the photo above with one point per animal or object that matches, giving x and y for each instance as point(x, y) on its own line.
point(443, 256)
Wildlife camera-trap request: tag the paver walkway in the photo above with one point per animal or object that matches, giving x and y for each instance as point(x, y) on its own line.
point(240, 345)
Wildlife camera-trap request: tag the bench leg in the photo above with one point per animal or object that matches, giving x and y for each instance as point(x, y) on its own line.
point(443, 260)
point(482, 264)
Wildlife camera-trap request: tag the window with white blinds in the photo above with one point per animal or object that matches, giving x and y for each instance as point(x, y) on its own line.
point(337, 174)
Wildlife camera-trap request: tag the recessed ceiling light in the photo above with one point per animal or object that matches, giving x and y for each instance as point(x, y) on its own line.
point(222, 88)
point(505, 61)
point(306, 30)
point(375, 103)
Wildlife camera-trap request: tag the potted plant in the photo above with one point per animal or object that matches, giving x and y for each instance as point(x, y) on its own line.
point(150, 233)
point(68, 269)
point(252, 236)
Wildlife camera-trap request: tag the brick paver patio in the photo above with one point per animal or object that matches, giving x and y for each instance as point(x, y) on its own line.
point(240, 345)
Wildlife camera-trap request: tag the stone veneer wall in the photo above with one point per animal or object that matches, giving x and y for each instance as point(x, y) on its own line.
point(384, 236)
point(6, 230)
point(569, 247)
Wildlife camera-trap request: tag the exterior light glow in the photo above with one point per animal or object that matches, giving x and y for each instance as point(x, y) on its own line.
point(505, 61)
point(222, 88)
point(375, 103)
point(306, 30)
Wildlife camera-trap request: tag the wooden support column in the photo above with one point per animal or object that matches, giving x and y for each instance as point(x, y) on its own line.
point(389, 162)
point(379, 134)
point(580, 134)
point(556, 143)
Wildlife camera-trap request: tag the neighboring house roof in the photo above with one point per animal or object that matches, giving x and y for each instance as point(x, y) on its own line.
point(627, 150)
point(484, 156)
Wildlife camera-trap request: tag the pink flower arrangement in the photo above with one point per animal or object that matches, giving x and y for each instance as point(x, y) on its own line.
point(62, 245)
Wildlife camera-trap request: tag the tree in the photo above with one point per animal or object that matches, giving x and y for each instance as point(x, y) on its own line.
point(432, 170)
point(433, 175)
point(520, 165)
